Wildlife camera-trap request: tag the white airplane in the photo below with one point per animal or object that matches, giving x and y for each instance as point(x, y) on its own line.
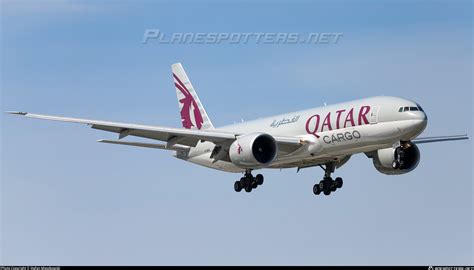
point(384, 128)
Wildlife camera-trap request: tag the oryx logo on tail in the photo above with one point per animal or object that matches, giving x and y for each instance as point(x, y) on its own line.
point(188, 105)
point(193, 115)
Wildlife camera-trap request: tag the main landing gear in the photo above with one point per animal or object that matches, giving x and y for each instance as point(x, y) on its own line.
point(248, 182)
point(327, 185)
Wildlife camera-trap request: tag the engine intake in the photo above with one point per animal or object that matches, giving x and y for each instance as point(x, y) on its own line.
point(399, 160)
point(253, 150)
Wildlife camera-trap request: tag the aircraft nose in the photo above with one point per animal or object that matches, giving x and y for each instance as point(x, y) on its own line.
point(420, 116)
point(420, 120)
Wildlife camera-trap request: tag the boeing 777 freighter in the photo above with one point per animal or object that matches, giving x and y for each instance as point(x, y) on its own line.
point(384, 128)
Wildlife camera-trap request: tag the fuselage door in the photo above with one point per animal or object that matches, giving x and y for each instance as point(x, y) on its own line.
point(373, 115)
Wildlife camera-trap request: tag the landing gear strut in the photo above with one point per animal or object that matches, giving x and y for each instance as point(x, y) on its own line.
point(327, 185)
point(248, 182)
point(399, 157)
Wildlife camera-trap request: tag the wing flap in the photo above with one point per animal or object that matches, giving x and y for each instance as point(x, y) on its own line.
point(147, 145)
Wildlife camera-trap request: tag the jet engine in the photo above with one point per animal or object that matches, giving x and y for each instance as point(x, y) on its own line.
point(253, 150)
point(398, 160)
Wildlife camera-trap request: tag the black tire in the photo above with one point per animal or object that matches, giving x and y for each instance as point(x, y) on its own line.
point(259, 179)
point(237, 186)
point(327, 192)
point(326, 183)
point(243, 181)
point(254, 184)
point(339, 182)
point(321, 185)
point(316, 189)
point(333, 186)
point(248, 188)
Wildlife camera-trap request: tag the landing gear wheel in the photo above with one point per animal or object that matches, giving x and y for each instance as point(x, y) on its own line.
point(338, 182)
point(243, 181)
point(321, 185)
point(326, 183)
point(333, 186)
point(259, 179)
point(237, 186)
point(327, 192)
point(248, 188)
point(316, 189)
point(254, 184)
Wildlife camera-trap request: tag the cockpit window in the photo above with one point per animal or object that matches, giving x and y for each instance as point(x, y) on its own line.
point(410, 109)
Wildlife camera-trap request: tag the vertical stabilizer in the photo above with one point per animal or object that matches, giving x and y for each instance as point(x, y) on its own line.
point(193, 114)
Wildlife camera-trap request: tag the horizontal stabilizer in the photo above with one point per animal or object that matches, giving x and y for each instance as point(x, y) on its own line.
point(441, 139)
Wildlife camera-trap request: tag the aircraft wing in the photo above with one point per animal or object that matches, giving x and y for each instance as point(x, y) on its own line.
point(173, 136)
point(440, 139)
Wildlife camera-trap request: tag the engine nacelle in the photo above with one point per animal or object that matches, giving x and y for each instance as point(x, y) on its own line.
point(400, 160)
point(253, 150)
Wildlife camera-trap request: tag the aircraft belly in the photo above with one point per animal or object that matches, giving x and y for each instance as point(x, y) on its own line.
point(205, 160)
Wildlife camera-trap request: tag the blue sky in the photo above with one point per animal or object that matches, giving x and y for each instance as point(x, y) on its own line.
point(68, 200)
